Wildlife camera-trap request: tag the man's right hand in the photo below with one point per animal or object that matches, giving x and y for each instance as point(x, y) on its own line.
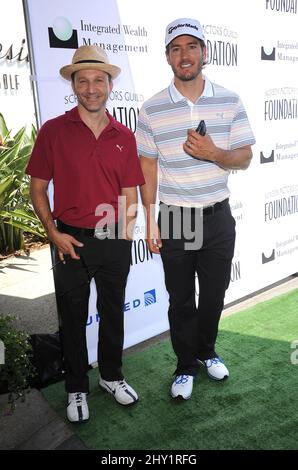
point(65, 244)
point(153, 237)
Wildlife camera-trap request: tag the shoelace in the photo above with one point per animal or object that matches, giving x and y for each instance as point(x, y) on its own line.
point(214, 361)
point(181, 379)
point(79, 398)
point(122, 384)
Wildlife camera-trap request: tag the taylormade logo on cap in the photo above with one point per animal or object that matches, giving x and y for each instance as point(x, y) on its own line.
point(183, 26)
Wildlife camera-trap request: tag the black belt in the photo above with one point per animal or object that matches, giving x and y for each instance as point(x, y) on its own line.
point(87, 232)
point(209, 210)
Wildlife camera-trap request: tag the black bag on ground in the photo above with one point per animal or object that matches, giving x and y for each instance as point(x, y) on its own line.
point(47, 359)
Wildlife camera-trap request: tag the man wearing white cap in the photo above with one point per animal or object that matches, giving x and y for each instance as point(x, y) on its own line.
point(92, 160)
point(195, 233)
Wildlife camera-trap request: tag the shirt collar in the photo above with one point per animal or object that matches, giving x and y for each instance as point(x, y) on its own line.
point(73, 115)
point(177, 96)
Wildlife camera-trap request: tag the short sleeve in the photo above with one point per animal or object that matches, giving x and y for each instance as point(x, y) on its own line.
point(132, 175)
point(41, 161)
point(144, 135)
point(241, 132)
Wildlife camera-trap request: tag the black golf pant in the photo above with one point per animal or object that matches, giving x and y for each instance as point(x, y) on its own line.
point(194, 329)
point(108, 262)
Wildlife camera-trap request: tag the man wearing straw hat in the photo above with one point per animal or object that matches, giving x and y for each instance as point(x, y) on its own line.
point(93, 162)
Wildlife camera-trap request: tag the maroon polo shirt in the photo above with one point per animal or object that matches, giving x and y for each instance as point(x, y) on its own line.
point(86, 171)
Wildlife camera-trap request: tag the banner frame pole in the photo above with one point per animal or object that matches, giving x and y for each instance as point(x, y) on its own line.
point(32, 64)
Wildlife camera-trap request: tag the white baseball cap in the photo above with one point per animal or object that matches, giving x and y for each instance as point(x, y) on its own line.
point(183, 26)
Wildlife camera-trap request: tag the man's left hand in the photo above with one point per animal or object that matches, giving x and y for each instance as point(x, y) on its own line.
point(201, 147)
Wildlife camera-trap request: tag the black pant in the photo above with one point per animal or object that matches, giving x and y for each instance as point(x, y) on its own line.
point(108, 262)
point(194, 329)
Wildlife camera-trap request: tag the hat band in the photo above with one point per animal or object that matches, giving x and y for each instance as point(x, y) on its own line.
point(89, 61)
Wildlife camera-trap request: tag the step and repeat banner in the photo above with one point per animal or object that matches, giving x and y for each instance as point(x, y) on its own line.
point(252, 49)
point(16, 97)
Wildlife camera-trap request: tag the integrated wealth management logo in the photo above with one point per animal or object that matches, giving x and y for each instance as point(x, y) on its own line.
point(283, 249)
point(280, 51)
point(286, 151)
point(267, 54)
point(267, 259)
point(267, 159)
point(62, 35)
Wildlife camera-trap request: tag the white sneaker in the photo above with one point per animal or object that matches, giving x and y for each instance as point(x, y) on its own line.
point(77, 408)
point(182, 387)
point(122, 392)
point(216, 368)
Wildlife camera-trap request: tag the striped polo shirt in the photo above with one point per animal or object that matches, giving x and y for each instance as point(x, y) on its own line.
point(162, 129)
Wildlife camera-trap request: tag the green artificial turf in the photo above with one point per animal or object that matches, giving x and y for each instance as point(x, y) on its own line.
point(256, 408)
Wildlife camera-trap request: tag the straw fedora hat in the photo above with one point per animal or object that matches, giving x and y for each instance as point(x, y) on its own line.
point(89, 57)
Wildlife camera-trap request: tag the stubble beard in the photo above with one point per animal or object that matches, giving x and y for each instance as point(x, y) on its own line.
point(92, 109)
point(193, 76)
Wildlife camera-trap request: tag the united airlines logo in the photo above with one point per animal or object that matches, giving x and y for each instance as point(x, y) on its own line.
point(145, 300)
point(149, 297)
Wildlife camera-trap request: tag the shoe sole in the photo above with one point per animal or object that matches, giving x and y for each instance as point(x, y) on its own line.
point(215, 378)
point(180, 397)
point(119, 403)
point(78, 422)
point(212, 376)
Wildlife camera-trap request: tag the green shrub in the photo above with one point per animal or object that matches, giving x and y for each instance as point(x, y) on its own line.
point(17, 368)
point(16, 212)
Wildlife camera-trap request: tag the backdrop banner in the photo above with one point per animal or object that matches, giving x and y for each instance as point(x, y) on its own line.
point(16, 97)
point(252, 49)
